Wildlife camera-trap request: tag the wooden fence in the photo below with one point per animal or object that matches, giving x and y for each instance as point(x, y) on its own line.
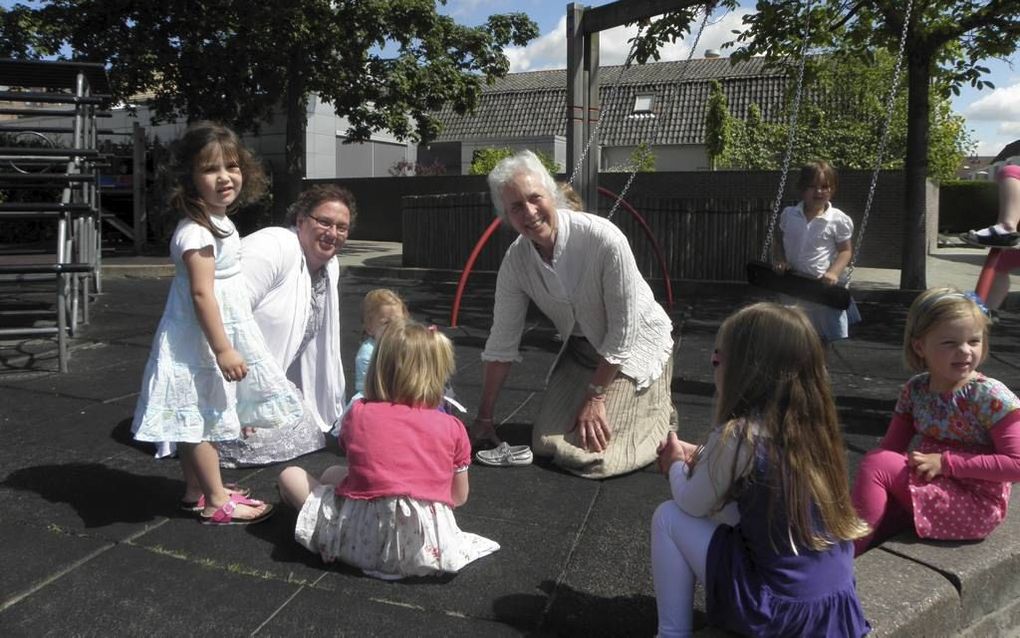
point(701, 238)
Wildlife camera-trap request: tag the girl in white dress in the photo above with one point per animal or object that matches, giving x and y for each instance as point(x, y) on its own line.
point(209, 371)
point(390, 511)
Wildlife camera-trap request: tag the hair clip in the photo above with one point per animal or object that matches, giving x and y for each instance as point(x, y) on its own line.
point(978, 301)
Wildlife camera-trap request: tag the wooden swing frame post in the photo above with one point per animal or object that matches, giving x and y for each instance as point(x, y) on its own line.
point(583, 105)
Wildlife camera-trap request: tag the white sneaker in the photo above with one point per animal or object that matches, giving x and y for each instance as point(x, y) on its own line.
point(505, 455)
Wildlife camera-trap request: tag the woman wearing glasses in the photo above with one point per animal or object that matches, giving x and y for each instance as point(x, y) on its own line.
point(293, 280)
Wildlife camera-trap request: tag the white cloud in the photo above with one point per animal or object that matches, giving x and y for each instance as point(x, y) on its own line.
point(1009, 128)
point(549, 51)
point(990, 147)
point(1002, 104)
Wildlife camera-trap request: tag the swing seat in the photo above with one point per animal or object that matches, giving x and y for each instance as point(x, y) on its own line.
point(762, 275)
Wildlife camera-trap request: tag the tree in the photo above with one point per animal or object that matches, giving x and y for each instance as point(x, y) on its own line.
point(945, 42)
point(485, 159)
point(718, 125)
point(642, 159)
point(842, 119)
point(240, 62)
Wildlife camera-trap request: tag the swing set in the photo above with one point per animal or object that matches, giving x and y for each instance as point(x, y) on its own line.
point(760, 273)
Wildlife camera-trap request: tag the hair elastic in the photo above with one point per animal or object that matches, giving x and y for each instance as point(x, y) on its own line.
point(969, 296)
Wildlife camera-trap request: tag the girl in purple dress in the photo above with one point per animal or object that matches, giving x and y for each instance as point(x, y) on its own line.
point(777, 460)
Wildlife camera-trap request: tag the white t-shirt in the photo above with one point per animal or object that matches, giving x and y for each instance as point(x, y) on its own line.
point(810, 246)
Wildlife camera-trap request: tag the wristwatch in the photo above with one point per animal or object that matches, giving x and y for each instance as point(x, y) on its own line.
point(597, 390)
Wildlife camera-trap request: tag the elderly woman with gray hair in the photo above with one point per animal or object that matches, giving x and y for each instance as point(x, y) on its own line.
point(607, 403)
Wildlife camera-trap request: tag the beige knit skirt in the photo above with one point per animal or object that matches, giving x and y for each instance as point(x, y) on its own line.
point(638, 420)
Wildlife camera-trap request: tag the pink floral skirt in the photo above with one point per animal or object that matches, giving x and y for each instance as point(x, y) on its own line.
point(948, 508)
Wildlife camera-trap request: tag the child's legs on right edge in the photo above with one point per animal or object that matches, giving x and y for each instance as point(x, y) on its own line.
point(881, 496)
point(679, 551)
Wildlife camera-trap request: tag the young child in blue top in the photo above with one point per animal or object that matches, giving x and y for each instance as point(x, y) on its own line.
point(379, 307)
point(815, 241)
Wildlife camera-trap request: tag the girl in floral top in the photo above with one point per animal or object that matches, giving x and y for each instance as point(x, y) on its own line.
point(956, 484)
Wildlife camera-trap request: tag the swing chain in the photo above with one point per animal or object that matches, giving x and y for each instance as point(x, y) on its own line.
point(791, 136)
point(709, 7)
point(883, 139)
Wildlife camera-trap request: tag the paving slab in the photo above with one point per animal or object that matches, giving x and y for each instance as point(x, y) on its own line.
point(505, 586)
point(607, 589)
point(19, 411)
point(34, 554)
point(904, 599)
point(88, 498)
point(313, 612)
point(131, 591)
point(112, 374)
point(982, 571)
point(574, 558)
point(88, 432)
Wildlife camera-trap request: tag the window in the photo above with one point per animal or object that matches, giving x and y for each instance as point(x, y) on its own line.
point(643, 103)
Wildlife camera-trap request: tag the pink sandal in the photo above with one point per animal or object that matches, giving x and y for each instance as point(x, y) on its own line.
point(199, 505)
point(225, 514)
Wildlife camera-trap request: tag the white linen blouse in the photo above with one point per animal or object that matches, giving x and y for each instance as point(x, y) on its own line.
point(593, 288)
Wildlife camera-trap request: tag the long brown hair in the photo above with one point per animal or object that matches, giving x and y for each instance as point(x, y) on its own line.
point(199, 141)
point(774, 375)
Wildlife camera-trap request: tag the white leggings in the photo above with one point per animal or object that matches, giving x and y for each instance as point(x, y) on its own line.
point(679, 549)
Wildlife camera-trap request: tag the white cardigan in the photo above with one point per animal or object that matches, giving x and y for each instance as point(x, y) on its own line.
point(606, 298)
point(281, 294)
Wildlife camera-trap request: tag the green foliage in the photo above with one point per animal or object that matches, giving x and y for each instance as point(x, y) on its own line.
point(235, 68)
point(947, 39)
point(485, 159)
point(841, 119)
point(642, 159)
point(718, 124)
point(382, 64)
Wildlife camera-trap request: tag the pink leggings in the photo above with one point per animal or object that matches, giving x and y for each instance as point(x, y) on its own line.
point(882, 496)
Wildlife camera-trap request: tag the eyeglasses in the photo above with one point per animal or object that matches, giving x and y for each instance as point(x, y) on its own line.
point(325, 224)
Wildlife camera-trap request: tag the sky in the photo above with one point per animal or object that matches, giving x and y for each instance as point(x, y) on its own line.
point(993, 116)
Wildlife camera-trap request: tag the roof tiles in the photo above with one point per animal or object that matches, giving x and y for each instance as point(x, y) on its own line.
point(534, 103)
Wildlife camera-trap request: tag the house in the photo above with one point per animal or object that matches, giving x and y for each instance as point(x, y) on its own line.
point(326, 154)
point(661, 104)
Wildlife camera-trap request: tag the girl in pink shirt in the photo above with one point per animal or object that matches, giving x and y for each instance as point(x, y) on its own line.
point(390, 511)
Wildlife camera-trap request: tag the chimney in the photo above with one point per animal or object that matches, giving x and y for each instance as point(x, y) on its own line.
point(712, 53)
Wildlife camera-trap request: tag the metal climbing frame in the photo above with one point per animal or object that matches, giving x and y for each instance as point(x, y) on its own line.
point(63, 159)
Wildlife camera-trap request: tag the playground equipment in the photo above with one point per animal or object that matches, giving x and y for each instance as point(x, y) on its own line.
point(71, 261)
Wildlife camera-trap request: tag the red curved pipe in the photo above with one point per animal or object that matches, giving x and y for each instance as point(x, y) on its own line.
point(484, 239)
point(984, 282)
point(651, 238)
point(462, 282)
